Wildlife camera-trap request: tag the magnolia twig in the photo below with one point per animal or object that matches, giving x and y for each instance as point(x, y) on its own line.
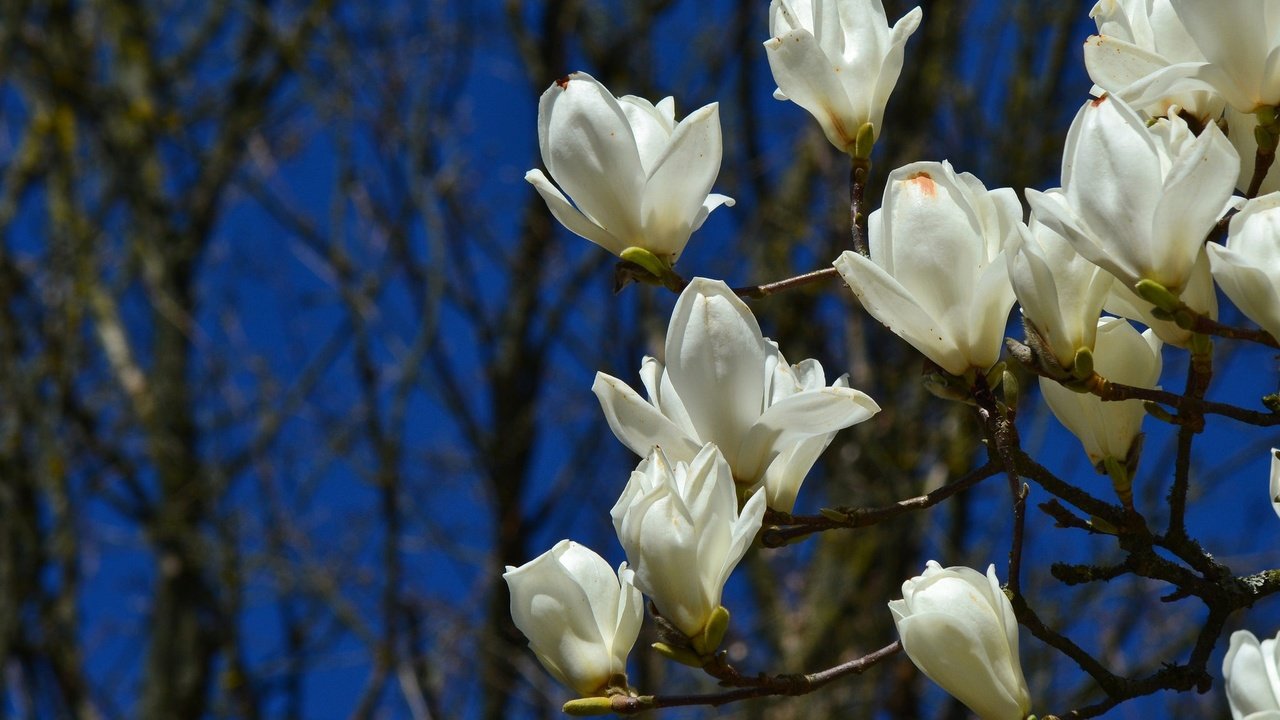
point(802, 525)
point(759, 291)
point(1208, 326)
point(1019, 532)
point(859, 171)
point(1262, 161)
point(1113, 391)
point(758, 686)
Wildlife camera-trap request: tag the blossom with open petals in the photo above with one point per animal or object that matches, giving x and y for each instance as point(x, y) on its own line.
point(1135, 200)
point(637, 177)
point(838, 59)
point(1137, 39)
point(936, 276)
point(725, 383)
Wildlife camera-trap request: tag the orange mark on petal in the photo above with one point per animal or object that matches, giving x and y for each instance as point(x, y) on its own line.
point(924, 183)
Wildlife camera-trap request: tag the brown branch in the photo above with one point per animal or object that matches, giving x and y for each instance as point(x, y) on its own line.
point(758, 686)
point(859, 172)
point(803, 525)
point(759, 291)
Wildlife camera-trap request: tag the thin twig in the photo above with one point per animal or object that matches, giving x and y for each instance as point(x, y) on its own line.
point(759, 686)
point(859, 172)
point(802, 525)
point(759, 291)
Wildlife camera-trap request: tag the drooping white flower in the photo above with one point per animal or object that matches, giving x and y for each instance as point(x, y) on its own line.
point(838, 59)
point(958, 627)
point(1136, 39)
point(1247, 268)
point(1108, 429)
point(1138, 201)
point(725, 383)
point(1060, 292)
point(581, 619)
point(1250, 676)
point(637, 177)
point(936, 276)
point(680, 526)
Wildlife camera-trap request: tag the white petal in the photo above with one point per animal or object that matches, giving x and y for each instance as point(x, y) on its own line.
point(887, 301)
point(679, 181)
point(1195, 192)
point(1249, 688)
point(809, 78)
point(589, 149)
point(713, 201)
point(651, 128)
point(573, 221)
point(796, 419)
point(1248, 287)
point(639, 425)
point(715, 356)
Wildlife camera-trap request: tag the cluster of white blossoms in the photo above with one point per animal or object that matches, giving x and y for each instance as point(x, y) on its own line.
point(728, 429)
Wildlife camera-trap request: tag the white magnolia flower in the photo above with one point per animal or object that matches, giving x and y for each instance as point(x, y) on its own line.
point(838, 59)
point(725, 383)
point(1060, 292)
point(1247, 268)
point(1240, 41)
point(581, 619)
point(1136, 39)
point(958, 627)
point(1138, 201)
point(637, 177)
point(1251, 679)
point(936, 276)
point(682, 531)
point(1108, 429)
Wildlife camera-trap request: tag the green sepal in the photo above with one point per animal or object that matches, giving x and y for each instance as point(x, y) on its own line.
point(1158, 412)
point(1102, 526)
point(1265, 138)
point(947, 387)
point(589, 706)
point(1266, 115)
point(684, 656)
point(647, 260)
point(834, 514)
point(713, 632)
point(1012, 391)
point(1121, 480)
point(1082, 364)
point(1158, 295)
point(864, 142)
point(995, 375)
